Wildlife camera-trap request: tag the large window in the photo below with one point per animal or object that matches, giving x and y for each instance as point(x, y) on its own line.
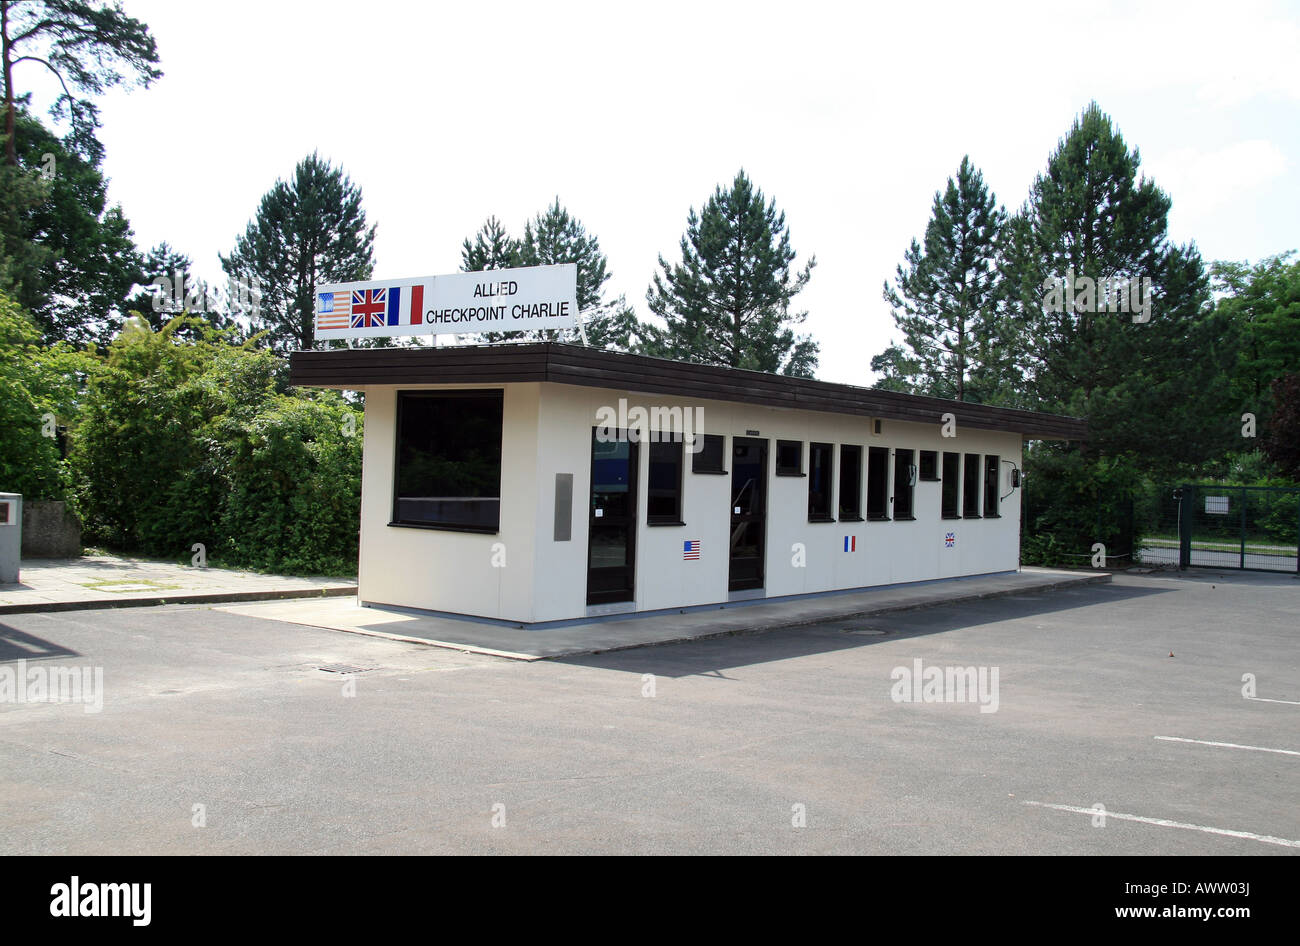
point(850, 483)
point(951, 485)
point(970, 494)
point(664, 495)
point(992, 486)
point(904, 480)
point(708, 459)
point(878, 483)
point(821, 466)
point(449, 460)
point(789, 458)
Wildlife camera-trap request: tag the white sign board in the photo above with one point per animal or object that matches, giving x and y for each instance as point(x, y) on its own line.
point(496, 300)
point(1216, 505)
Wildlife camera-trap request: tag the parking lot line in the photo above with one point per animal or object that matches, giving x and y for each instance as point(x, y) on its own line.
point(1260, 699)
point(1165, 823)
point(1227, 745)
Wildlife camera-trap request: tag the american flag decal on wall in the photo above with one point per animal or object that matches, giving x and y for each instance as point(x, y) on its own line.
point(691, 550)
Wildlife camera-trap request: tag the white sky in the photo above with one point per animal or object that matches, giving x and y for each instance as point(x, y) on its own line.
point(850, 116)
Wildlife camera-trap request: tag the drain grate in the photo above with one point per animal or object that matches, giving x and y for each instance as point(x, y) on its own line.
point(343, 668)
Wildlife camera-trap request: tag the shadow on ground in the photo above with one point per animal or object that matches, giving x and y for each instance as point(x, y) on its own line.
point(713, 655)
point(18, 645)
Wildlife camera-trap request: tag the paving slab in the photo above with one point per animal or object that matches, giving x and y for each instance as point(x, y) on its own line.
point(619, 632)
point(112, 581)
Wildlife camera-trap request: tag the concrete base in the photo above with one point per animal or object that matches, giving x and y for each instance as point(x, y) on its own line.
point(599, 635)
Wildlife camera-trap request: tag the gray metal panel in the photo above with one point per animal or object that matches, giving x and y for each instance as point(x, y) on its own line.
point(563, 507)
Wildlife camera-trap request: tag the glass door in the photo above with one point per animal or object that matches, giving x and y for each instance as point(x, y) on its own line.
point(748, 513)
point(611, 532)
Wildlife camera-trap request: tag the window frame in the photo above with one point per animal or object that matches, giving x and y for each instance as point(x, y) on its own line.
point(933, 457)
point(882, 452)
point(401, 399)
point(786, 470)
point(826, 475)
point(658, 442)
point(720, 439)
point(908, 490)
point(972, 491)
point(992, 485)
point(954, 483)
point(854, 514)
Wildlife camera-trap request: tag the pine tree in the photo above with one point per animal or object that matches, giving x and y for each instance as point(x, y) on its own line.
point(1150, 382)
point(309, 230)
point(946, 301)
point(87, 48)
point(728, 301)
point(555, 236)
point(492, 248)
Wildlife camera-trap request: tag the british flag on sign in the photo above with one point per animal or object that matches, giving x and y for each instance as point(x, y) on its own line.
point(369, 307)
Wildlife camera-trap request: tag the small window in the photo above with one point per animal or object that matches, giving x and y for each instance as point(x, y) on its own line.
point(904, 483)
point(878, 483)
point(664, 494)
point(850, 483)
point(789, 458)
point(951, 485)
point(929, 465)
point(970, 501)
point(708, 458)
point(821, 466)
point(992, 486)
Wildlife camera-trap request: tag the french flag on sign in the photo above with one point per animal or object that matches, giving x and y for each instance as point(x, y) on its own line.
point(410, 314)
point(850, 543)
point(691, 550)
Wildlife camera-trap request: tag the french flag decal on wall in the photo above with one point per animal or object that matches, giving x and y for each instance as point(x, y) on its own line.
point(850, 543)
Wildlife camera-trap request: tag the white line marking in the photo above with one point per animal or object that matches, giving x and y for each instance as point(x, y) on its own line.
point(1164, 823)
point(1228, 745)
point(1260, 699)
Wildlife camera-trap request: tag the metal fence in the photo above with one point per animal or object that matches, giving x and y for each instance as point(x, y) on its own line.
point(1247, 527)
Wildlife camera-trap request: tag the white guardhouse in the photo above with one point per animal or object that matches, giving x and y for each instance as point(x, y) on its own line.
point(533, 483)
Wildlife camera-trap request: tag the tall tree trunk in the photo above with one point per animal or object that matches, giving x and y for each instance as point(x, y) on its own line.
point(11, 147)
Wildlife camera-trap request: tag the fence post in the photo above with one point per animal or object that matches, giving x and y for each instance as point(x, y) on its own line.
point(1186, 506)
point(1243, 527)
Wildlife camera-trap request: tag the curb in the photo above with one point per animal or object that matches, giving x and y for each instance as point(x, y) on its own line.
point(1056, 585)
point(219, 597)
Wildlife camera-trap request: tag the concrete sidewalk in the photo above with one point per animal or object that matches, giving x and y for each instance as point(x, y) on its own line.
point(110, 581)
point(622, 632)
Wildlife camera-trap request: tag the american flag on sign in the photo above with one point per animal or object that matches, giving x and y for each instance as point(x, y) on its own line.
point(333, 310)
point(691, 550)
point(950, 540)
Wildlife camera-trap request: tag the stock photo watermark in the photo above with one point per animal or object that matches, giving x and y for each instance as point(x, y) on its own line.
point(933, 684)
point(52, 683)
point(242, 296)
point(653, 424)
point(1113, 294)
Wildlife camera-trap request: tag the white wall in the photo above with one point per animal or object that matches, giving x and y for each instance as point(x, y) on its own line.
point(548, 431)
point(443, 570)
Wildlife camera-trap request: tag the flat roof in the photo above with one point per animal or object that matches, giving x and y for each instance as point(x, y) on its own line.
point(561, 363)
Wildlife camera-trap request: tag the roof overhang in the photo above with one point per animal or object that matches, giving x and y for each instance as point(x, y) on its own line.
point(557, 363)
